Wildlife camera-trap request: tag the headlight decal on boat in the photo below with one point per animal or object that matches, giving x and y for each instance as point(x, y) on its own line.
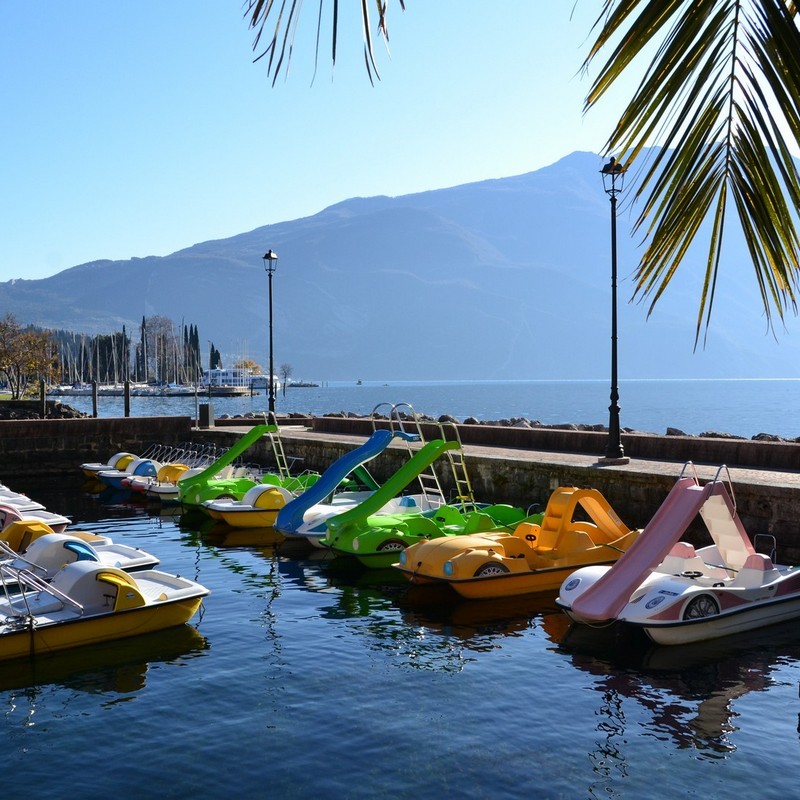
point(448, 569)
point(572, 584)
point(656, 601)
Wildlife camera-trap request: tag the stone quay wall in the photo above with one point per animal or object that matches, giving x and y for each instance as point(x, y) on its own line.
point(522, 466)
point(45, 447)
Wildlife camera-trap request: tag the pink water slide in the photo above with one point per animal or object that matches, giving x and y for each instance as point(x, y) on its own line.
point(606, 599)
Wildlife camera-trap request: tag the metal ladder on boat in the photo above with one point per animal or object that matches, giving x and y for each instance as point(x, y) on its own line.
point(276, 443)
point(464, 495)
point(428, 479)
point(402, 416)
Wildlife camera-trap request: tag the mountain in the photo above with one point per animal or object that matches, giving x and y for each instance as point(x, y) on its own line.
point(501, 279)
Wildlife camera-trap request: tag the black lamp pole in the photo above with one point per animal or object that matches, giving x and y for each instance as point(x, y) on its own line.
point(270, 266)
point(613, 180)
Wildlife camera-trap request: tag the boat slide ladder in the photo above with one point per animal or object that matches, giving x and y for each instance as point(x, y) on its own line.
point(403, 414)
point(764, 543)
point(283, 468)
point(464, 496)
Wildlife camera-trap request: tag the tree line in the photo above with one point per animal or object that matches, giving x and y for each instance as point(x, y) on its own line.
point(164, 353)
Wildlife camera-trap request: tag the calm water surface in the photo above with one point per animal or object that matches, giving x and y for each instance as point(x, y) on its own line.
point(304, 679)
point(741, 407)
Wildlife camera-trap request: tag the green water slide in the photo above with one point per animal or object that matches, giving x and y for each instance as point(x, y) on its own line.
point(393, 486)
point(247, 441)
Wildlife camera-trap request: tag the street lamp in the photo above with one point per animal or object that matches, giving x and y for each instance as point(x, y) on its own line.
point(270, 266)
point(613, 181)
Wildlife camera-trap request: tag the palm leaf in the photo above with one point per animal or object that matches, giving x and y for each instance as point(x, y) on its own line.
point(283, 16)
point(717, 100)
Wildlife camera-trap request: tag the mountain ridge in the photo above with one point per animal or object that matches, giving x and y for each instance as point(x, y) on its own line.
point(504, 278)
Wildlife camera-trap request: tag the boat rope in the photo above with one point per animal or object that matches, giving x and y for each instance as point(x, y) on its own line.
point(612, 546)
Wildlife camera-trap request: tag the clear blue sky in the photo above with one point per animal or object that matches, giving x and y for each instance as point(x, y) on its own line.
point(135, 129)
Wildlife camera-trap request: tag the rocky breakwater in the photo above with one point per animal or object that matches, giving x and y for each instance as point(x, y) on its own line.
point(32, 409)
point(762, 451)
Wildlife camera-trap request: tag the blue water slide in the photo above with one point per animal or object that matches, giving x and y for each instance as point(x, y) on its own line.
point(290, 517)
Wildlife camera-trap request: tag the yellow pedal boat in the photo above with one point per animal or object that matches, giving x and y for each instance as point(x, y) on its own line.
point(531, 558)
point(257, 509)
point(86, 603)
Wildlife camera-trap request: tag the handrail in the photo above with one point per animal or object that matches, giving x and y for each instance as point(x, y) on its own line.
point(694, 471)
point(26, 580)
point(730, 483)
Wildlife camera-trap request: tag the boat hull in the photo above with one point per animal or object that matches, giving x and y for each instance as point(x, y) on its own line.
point(510, 585)
point(255, 518)
point(51, 637)
point(724, 624)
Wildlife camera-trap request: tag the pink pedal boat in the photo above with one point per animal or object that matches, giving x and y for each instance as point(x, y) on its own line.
point(678, 593)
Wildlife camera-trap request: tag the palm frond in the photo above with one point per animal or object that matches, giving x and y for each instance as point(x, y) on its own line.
point(285, 15)
point(712, 111)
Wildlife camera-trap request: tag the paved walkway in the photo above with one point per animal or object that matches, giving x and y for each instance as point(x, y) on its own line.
point(739, 475)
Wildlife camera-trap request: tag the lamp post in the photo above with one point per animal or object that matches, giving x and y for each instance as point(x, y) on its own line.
point(613, 181)
point(270, 266)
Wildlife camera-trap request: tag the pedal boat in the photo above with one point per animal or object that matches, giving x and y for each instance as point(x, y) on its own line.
point(118, 478)
point(257, 509)
point(678, 594)
point(162, 486)
point(379, 541)
point(344, 485)
point(116, 461)
point(19, 501)
point(9, 514)
point(87, 603)
point(531, 556)
point(48, 553)
point(19, 534)
point(391, 519)
point(226, 479)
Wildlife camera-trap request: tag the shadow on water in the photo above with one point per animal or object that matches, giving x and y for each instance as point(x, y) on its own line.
point(479, 622)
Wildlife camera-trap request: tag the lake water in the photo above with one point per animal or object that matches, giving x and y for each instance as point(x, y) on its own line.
point(741, 407)
point(304, 679)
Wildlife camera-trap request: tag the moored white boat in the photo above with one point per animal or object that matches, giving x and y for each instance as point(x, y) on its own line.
point(257, 509)
point(677, 593)
point(9, 514)
point(48, 553)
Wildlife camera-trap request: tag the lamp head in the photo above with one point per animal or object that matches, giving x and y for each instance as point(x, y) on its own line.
point(613, 176)
point(269, 261)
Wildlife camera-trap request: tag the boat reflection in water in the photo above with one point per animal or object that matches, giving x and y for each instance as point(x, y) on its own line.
point(265, 539)
point(425, 627)
point(479, 624)
point(689, 692)
point(118, 667)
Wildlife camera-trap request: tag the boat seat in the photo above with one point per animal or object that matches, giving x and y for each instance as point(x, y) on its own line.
point(541, 539)
point(528, 531)
point(758, 569)
point(681, 558)
point(479, 523)
point(574, 540)
point(39, 603)
point(514, 546)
